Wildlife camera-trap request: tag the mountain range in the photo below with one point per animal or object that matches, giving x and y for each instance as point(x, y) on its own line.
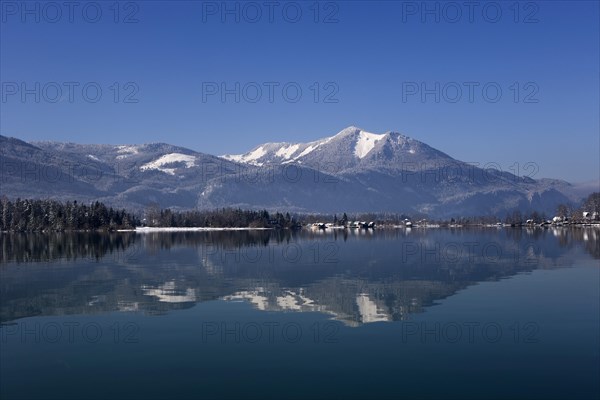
point(351, 171)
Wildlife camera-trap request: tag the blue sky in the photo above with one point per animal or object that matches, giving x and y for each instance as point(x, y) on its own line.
point(361, 63)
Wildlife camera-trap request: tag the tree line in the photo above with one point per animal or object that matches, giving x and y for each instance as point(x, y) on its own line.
point(220, 218)
point(27, 215)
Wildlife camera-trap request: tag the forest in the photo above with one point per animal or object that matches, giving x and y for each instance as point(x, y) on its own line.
point(26, 215)
point(219, 218)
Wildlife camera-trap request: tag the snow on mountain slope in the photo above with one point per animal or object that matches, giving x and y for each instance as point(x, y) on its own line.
point(352, 171)
point(350, 149)
point(365, 143)
point(126, 151)
point(278, 152)
point(161, 163)
point(286, 152)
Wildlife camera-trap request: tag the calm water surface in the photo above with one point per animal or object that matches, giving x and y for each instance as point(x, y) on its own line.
point(440, 313)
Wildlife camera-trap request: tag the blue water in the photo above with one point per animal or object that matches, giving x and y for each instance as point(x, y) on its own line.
point(386, 314)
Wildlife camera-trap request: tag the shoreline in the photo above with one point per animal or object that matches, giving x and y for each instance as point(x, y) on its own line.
point(337, 228)
point(148, 229)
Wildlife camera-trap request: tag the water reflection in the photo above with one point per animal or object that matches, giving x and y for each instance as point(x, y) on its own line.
point(353, 276)
point(30, 247)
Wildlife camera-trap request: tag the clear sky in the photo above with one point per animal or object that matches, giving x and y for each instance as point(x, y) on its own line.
point(376, 65)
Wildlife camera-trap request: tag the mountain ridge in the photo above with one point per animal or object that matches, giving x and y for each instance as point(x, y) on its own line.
point(350, 148)
point(351, 171)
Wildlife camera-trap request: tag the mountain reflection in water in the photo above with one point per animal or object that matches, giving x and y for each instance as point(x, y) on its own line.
point(354, 276)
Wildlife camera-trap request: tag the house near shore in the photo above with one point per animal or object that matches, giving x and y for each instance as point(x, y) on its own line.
point(591, 216)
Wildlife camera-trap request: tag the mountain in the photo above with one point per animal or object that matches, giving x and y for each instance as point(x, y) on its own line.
point(126, 175)
point(352, 171)
point(395, 172)
point(351, 150)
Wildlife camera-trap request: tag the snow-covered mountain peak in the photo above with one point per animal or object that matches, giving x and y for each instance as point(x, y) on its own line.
point(350, 150)
point(366, 142)
point(350, 147)
point(351, 130)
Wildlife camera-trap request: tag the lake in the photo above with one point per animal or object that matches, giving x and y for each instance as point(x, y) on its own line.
point(408, 313)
